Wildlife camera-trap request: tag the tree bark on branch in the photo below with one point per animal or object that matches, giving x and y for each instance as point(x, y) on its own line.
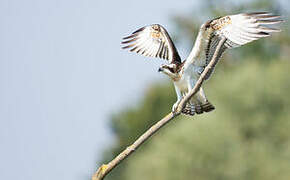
point(106, 168)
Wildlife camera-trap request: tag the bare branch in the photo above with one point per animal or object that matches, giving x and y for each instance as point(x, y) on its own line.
point(106, 168)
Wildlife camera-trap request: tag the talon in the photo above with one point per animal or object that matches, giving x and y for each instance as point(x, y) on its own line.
point(175, 106)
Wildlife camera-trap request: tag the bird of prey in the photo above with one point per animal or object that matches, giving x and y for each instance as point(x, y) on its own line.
point(238, 29)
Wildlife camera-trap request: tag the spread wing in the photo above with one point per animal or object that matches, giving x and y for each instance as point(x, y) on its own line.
point(238, 30)
point(152, 41)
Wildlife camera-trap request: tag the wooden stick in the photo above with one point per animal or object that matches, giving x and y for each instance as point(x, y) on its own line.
point(106, 168)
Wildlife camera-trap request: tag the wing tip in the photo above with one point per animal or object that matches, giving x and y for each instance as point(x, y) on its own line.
point(135, 33)
point(270, 30)
point(139, 30)
point(129, 41)
point(264, 16)
point(269, 22)
point(264, 34)
point(128, 46)
point(257, 13)
point(129, 37)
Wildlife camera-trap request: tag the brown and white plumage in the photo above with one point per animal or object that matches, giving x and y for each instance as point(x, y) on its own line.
point(152, 41)
point(239, 29)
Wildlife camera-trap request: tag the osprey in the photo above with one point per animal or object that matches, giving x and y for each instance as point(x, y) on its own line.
point(239, 29)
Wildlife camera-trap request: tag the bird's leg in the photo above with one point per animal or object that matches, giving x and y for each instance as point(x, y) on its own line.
point(190, 84)
point(179, 97)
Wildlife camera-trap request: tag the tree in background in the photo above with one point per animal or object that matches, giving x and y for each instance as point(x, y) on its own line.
point(246, 137)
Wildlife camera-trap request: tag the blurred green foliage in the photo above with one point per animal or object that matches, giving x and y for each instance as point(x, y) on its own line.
point(246, 137)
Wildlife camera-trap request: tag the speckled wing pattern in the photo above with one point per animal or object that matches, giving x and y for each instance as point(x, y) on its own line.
point(238, 30)
point(152, 41)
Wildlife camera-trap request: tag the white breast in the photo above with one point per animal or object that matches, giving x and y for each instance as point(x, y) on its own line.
point(191, 74)
point(181, 84)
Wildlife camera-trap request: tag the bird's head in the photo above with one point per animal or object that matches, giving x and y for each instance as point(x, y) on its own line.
point(170, 70)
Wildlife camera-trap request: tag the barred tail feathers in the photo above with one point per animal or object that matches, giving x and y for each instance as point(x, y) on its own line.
point(198, 108)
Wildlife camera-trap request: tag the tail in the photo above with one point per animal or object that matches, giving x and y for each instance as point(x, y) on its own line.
point(198, 108)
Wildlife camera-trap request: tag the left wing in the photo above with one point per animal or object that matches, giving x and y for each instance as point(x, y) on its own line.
point(238, 30)
point(152, 41)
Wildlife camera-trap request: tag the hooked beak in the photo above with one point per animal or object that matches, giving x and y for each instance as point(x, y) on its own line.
point(160, 69)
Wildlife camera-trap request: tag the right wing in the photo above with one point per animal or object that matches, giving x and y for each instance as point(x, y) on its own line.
point(238, 30)
point(152, 41)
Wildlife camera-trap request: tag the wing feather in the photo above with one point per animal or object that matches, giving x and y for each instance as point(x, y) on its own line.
point(152, 41)
point(238, 29)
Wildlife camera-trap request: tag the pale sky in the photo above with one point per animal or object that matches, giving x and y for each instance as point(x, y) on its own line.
point(63, 73)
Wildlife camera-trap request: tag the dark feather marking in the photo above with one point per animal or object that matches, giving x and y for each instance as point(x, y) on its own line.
point(125, 47)
point(211, 47)
point(208, 46)
point(263, 33)
point(268, 17)
point(257, 13)
point(230, 44)
point(131, 36)
point(171, 47)
point(144, 50)
point(158, 51)
point(167, 54)
point(222, 50)
point(164, 52)
point(269, 29)
point(131, 40)
point(161, 50)
point(140, 47)
point(269, 21)
point(138, 30)
point(133, 49)
point(179, 66)
point(252, 34)
point(139, 50)
point(208, 23)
